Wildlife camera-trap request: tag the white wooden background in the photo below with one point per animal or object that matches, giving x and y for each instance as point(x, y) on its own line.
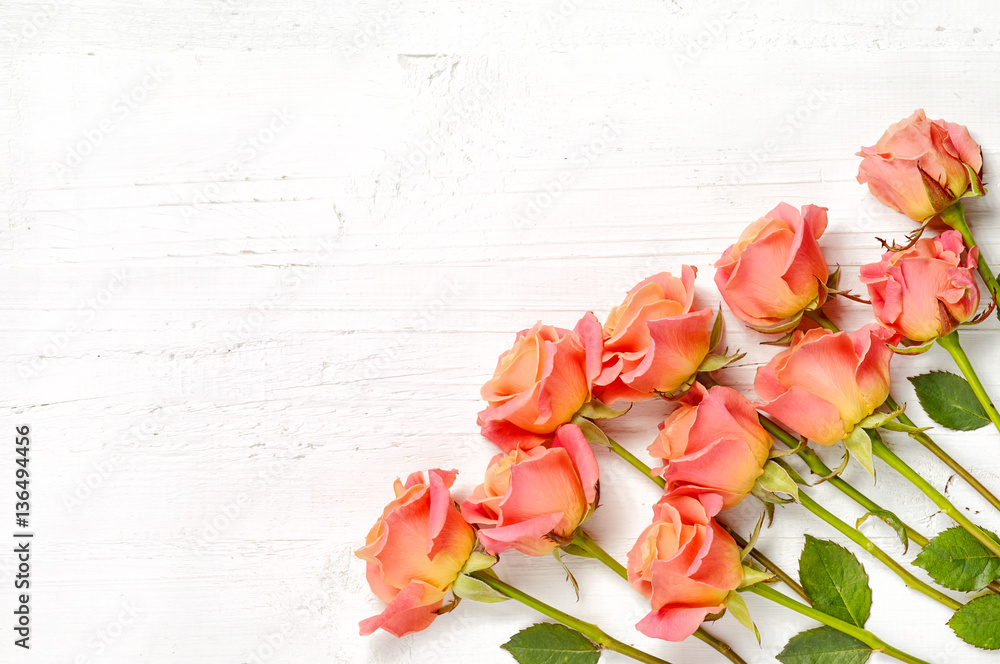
point(260, 256)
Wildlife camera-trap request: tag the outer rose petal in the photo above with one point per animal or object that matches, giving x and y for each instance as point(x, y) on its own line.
point(412, 610)
point(807, 415)
point(675, 623)
point(528, 537)
point(571, 438)
point(677, 347)
point(509, 437)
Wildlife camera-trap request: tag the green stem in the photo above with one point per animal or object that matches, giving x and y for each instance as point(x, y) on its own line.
point(817, 466)
point(861, 540)
point(925, 440)
point(769, 565)
point(659, 481)
point(950, 343)
point(590, 630)
point(859, 633)
point(587, 543)
point(635, 462)
point(955, 217)
point(920, 436)
point(900, 466)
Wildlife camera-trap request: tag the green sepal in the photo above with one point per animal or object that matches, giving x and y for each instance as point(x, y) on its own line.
point(772, 481)
point(859, 445)
point(892, 521)
point(752, 576)
point(597, 410)
point(737, 606)
point(591, 431)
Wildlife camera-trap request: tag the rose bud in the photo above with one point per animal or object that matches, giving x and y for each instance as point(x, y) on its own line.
point(920, 167)
point(415, 552)
point(926, 291)
point(685, 563)
point(534, 500)
point(713, 440)
point(653, 342)
point(776, 271)
point(826, 382)
point(540, 383)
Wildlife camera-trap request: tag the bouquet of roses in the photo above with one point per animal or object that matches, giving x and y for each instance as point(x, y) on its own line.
point(551, 390)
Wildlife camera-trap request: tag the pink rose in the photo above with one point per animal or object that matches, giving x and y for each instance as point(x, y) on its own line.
point(415, 552)
point(826, 383)
point(713, 440)
point(541, 383)
point(918, 167)
point(685, 563)
point(776, 270)
point(926, 291)
point(653, 342)
point(534, 500)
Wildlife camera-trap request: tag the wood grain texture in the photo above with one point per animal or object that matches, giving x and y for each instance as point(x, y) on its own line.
point(260, 257)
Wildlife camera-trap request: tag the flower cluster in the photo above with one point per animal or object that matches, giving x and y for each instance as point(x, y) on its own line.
point(713, 447)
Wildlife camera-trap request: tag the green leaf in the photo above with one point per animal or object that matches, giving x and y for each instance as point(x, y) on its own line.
point(978, 622)
point(824, 645)
point(950, 401)
point(835, 581)
point(859, 445)
point(957, 560)
point(548, 643)
point(890, 519)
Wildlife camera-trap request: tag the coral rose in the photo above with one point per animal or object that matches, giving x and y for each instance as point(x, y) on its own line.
point(776, 270)
point(415, 552)
point(713, 440)
point(926, 291)
point(653, 341)
point(920, 167)
point(685, 563)
point(540, 383)
point(534, 500)
point(826, 382)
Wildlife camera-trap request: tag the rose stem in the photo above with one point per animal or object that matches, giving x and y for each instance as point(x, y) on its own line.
point(817, 466)
point(922, 437)
point(590, 630)
point(861, 540)
point(760, 558)
point(859, 633)
point(955, 218)
point(950, 343)
point(897, 464)
point(587, 543)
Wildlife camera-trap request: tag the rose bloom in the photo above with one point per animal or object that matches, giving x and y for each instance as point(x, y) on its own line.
point(685, 563)
point(653, 341)
point(918, 167)
point(415, 552)
point(926, 291)
point(826, 382)
point(776, 270)
point(540, 383)
point(713, 440)
point(534, 500)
